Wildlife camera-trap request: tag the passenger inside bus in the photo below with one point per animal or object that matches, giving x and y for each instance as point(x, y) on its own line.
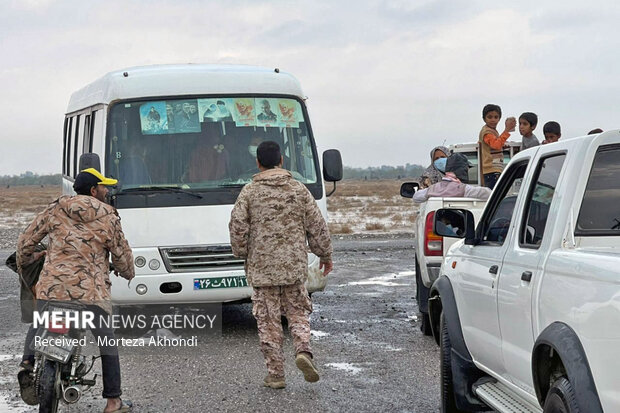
point(209, 161)
point(132, 165)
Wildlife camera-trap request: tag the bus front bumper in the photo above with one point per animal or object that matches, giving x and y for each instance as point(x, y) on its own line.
point(189, 287)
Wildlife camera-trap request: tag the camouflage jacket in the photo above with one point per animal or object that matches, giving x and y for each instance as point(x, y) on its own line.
point(272, 220)
point(83, 233)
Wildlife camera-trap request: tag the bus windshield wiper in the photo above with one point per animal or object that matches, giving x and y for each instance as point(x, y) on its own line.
point(161, 188)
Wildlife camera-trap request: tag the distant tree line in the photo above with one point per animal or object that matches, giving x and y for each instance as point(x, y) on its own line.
point(384, 172)
point(30, 178)
point(372, 172)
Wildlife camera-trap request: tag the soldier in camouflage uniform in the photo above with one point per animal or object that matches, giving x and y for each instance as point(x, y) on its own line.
point(84, 233)
point(272, 220)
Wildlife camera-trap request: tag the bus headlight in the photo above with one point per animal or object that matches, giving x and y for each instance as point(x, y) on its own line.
point(140, 262)
point(141, 289)
point(154, 264)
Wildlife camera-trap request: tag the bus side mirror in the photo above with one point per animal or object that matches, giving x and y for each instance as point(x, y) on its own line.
point(408, 189)
point(89, 160)
point(454, 223)
point(332, 167)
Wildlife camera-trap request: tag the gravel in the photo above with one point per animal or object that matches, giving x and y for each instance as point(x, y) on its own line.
point(8, 238)
point(367, 344)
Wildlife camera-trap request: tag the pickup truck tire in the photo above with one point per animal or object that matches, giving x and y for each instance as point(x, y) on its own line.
point(448, 402)
point(425, 321)
point(561, 398)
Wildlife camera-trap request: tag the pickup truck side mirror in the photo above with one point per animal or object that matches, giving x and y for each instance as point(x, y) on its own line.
point(407, 189)
point(332, 167)
point(454, 223)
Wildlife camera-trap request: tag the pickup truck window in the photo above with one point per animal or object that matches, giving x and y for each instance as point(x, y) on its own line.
point(472, 157)
point(539, 200)
point(600, 208)
point(496, 223)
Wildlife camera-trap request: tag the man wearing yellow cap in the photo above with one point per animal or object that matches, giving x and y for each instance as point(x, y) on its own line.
point(84, 234)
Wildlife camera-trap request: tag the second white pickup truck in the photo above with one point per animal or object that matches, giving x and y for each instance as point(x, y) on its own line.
point(429, 247)
point(527, 307)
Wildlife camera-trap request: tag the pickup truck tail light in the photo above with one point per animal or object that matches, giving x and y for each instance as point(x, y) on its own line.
point(433, 243)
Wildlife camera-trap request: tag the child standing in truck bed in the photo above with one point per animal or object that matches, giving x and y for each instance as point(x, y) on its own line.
point(491, 143)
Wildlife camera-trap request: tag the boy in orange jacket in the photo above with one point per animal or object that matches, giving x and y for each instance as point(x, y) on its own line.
point(491, 143)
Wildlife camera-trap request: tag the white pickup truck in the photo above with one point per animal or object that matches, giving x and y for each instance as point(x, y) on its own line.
point(527, 307)
point(429, 247)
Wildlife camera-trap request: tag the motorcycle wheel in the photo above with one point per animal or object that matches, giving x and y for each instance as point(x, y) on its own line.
point(48, 399)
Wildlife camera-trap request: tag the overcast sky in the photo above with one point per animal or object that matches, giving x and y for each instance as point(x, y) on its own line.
point(386, 80)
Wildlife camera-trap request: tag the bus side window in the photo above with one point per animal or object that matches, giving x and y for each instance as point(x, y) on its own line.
point(77, 138)
point(87, 134)
point(70, 138)
point(65, 135)
point(96, 135)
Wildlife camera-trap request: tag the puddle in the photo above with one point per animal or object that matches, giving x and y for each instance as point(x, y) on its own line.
point(412, 317)
point(7, 357)
point(5, 406)
point(388, 280)
point(318, 334)
point(405, 273)
point(349, 368)
point(8, 379)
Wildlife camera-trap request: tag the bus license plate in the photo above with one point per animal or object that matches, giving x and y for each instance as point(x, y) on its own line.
point(220, 282)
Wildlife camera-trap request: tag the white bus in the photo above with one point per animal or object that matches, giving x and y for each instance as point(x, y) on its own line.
point(181, 140)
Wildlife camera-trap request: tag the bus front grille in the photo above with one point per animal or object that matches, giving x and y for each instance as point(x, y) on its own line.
point(200, 258)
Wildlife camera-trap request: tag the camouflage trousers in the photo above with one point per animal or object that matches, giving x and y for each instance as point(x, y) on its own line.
point(269, 304)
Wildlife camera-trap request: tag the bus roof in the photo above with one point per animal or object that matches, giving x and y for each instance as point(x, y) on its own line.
point(180, 80)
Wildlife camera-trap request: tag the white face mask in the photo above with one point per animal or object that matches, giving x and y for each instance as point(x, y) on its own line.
point(252, 149)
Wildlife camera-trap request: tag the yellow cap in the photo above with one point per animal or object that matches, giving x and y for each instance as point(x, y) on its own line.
point(102, 179)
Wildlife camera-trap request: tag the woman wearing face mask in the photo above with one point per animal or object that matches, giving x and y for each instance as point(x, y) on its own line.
point(435, 172)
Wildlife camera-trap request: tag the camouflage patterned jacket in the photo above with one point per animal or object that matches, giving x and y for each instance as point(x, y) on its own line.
point(269, 225)
point(83, 232)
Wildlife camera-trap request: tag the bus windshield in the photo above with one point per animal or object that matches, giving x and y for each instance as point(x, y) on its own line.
point(200, 144)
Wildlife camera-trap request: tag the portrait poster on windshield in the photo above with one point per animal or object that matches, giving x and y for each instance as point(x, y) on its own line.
point(215, 110)
point(183, 116)
point(267, 112)
point(153, 118)
point(289, 113)
point(244, 112)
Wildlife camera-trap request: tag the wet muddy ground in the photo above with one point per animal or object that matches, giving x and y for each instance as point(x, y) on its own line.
point(366, 339)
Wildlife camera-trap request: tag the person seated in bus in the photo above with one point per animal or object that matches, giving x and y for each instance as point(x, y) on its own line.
point(452, 184)
point(132, 166)
point(247, 156)
point(210, 160)
point(433, 174)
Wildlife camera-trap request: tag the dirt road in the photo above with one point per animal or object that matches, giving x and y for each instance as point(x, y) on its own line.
point(371, 354)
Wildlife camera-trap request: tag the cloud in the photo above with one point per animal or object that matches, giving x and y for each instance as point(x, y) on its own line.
point(387, 79)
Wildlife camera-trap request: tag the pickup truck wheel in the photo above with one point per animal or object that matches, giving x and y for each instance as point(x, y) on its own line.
point(448, 402)
point(561, 398)
point(425, 325)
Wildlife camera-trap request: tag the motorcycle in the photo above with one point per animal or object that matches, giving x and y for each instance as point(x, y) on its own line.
point(60, 368)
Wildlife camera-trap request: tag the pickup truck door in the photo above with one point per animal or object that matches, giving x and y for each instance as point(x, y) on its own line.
point(522, 269)
point(478, 268)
